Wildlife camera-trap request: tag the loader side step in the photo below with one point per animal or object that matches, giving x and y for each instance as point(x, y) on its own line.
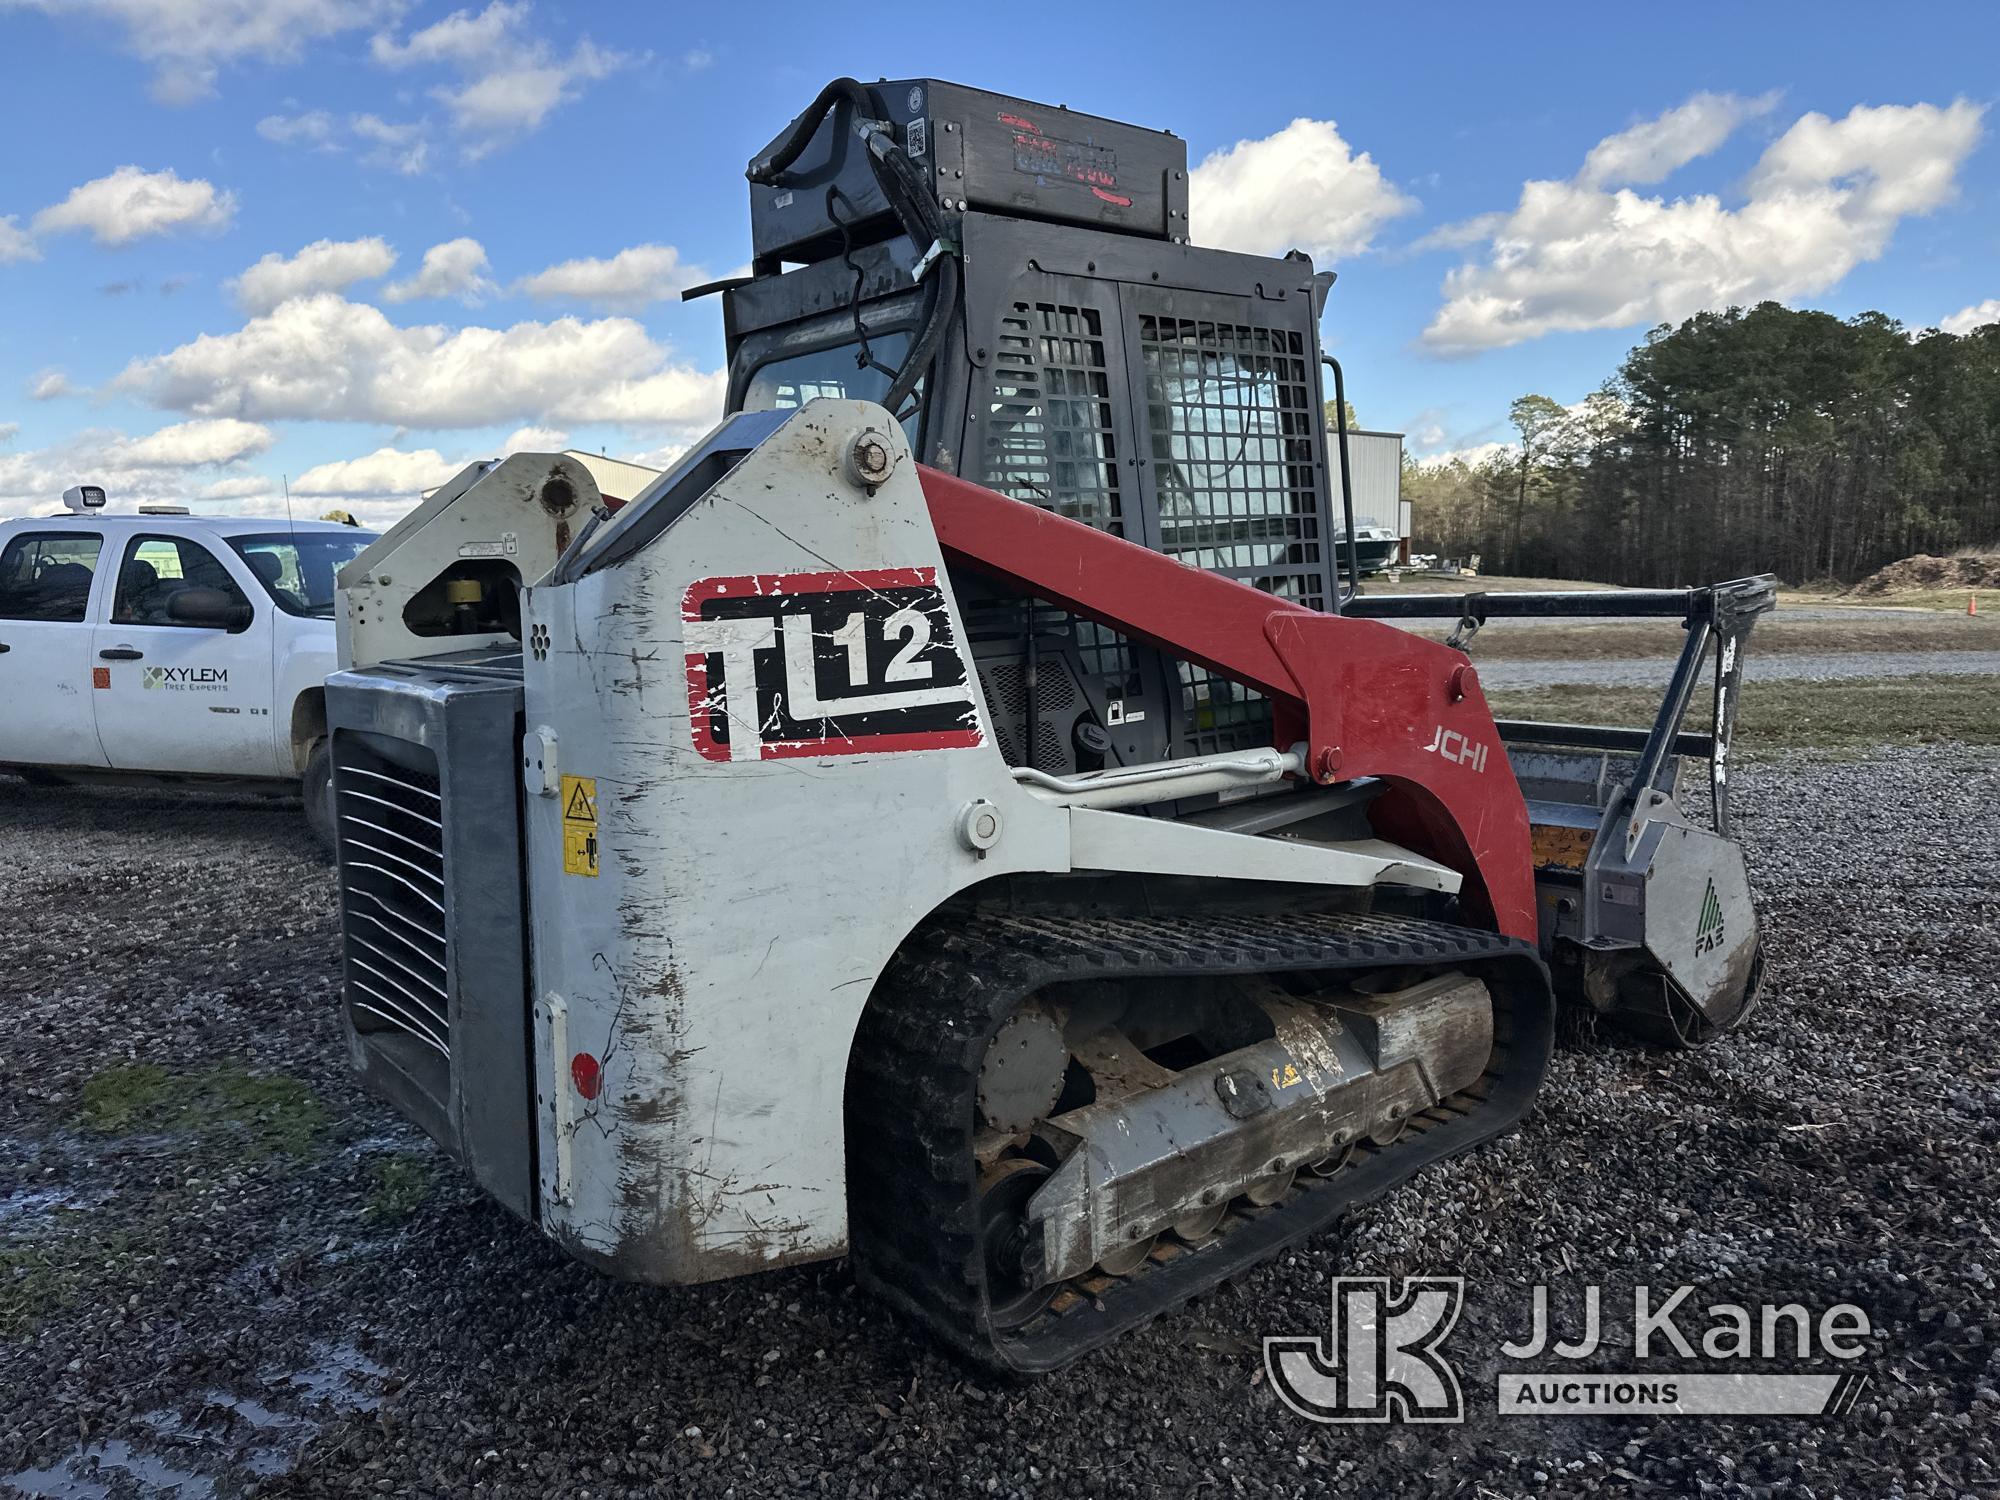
point(913, 1174)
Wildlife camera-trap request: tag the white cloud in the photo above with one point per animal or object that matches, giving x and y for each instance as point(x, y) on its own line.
point(1826, 196)
point(1659, 147)
point(533, 439)
point(454, 269)
point(509, 80)
point(314, 128)
point(461, 38)
point(9, 431)
point(162, 465)
point(14, 242)
point(48, 385)
point(661, 458)
point(186, 445)
point(131, 204)
point(697, 59)
point(187, 41)
point(323, 357)
point(630, 279)
point(242, 487)
point(387, 473)
point(1303, 188)
point(401, 147)
point(397, 146)
point(1472, 457)
point(322, 266)
point(1976, 316)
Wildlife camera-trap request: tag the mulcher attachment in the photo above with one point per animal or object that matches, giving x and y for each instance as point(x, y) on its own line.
point(1025, 1248)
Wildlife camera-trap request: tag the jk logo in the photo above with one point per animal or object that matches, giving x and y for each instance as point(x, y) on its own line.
point(1380, 1361)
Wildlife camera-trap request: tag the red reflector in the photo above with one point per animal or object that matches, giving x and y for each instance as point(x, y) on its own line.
point(100, 677)
point(586, 1074)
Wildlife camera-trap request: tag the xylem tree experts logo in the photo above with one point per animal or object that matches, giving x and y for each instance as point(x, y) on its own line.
point(185, 679)
point(1383, 1359)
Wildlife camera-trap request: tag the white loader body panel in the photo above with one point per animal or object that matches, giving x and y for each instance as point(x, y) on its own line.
point(709, 918)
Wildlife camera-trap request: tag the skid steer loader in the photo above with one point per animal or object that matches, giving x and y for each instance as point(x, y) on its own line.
point(956, 817)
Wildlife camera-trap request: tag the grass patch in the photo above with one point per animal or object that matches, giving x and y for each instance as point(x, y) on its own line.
point(1778, 717)
point(274, 1114)
point(398, 1186)
point(39, 1277)
point(119, 1100)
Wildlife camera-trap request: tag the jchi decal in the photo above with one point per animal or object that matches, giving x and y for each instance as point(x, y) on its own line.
point(185, 679)
point(791, 664)
point(1454, 746)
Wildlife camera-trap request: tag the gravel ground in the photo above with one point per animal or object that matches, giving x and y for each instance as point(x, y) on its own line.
point(242, 1274)
point(1814, 667)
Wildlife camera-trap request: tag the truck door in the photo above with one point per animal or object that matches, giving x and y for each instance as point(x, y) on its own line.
point(45, 660)
point(189, 658)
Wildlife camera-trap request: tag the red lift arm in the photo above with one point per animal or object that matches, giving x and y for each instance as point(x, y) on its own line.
point(1366, 698)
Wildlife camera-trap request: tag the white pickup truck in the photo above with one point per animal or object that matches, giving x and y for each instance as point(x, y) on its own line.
point(167, 646)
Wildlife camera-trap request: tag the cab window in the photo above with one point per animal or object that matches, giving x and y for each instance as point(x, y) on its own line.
point(297, 569)
point(157, 569)
point(46, 576)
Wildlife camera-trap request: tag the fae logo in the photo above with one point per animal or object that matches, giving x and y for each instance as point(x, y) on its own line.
point(1380, 1360)
point(1708, 932)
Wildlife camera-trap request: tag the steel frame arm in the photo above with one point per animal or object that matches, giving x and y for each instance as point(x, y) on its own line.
point(1365, 698)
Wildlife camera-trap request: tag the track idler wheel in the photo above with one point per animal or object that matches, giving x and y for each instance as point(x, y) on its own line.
point(1127, 1259)
point(1004, 1191)
point(1193, 1228)
point(1272, 1189)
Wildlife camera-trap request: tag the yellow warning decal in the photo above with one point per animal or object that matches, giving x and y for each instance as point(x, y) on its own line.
point(579, 803)
point(1562, 848)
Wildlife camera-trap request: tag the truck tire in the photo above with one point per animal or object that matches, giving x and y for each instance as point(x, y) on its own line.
point(316, 787)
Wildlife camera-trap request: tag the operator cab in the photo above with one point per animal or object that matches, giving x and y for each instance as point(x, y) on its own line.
point(1015, 282)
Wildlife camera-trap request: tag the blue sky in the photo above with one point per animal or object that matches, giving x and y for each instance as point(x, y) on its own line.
point(511, 195)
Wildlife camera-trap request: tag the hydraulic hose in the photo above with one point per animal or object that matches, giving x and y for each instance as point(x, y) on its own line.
point(769, 168)
point(908, 196)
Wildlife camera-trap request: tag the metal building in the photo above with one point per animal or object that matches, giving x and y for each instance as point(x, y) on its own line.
point(1375, 460)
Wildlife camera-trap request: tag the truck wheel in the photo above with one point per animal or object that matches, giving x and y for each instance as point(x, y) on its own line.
point(317, 789)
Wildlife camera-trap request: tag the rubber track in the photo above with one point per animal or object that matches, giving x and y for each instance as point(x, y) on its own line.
point(912, 1086)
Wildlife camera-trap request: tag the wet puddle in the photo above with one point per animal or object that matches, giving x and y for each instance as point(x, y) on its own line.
point(27, 1207)
point(336, 1378)
point(85, 1475)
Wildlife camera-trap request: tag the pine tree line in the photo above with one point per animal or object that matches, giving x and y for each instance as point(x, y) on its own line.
point(1767, 440)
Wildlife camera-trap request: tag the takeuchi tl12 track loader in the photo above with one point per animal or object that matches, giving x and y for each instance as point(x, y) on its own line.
point(959, 817)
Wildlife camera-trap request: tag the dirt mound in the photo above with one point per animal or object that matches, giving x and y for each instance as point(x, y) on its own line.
point(1925, 572)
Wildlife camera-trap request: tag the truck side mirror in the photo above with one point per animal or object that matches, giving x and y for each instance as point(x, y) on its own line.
point(214, 608)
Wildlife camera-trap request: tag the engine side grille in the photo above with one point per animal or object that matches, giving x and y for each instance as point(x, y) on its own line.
point(391, 828)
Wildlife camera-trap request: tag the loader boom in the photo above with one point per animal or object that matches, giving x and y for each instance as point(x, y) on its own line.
point(1365, 700)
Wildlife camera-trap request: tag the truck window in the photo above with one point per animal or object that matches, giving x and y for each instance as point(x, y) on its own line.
point(297, 571)
point(46, 576)
point(158, 567)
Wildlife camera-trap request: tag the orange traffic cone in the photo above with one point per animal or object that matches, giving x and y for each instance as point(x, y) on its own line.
point(1972, 604)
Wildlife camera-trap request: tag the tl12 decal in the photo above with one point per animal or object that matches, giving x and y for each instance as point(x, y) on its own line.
point(847, 663)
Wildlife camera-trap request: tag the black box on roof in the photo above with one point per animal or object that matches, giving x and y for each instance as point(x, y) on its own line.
point(981, 151)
